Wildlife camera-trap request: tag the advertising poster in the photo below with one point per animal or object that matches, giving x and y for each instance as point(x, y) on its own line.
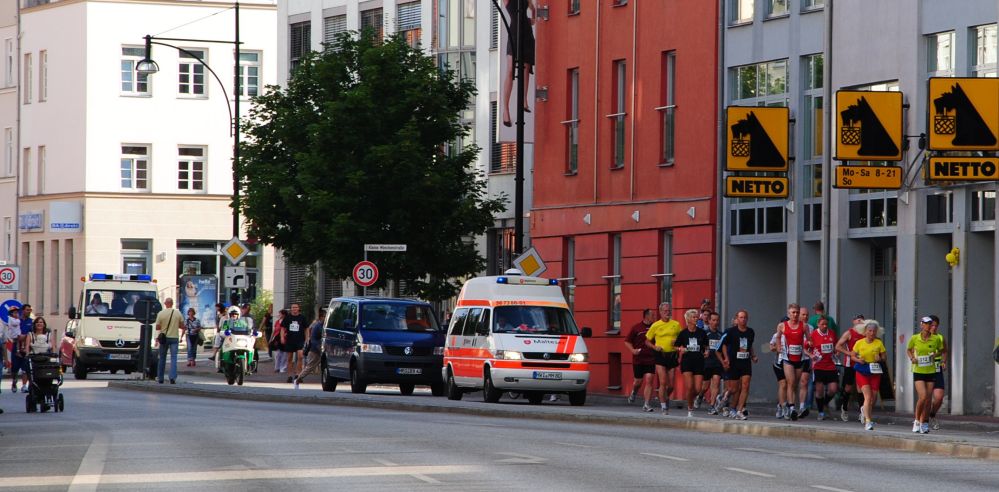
point(506, 114)
point(200, 292)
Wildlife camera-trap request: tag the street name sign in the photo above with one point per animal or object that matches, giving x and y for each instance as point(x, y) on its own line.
point(868, 177)
point(385, 247)
point(963, 113)
point(756, 187)
point(868, 126)
point(963, 169)
point(756, 138)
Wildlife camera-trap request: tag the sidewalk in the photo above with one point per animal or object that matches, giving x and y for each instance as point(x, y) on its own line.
point(968, 437)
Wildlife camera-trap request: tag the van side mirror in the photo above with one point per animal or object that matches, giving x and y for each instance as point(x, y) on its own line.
point(586, 332)
point(72, 313)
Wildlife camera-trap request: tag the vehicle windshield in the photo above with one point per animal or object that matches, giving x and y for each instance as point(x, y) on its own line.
point(114, 303)
point(397, 317)
point(533, 320)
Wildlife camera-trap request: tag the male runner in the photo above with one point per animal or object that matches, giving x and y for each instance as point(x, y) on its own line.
point(737, 356)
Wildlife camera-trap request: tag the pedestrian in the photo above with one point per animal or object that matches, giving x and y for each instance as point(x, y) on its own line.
point(823, 342)
point(294, 338)
point(692, 346)
point(643, 362)
point(664, 333)
point(793, 343)
point(939, 382)
point(869, 355)
point(276, 342)
point(168, 325)
point(192, 331)
point(39, 341)
point(844, 347)
point(268, 325)
point(819, 311)
point(219, 314)
point(12, 337)
point(27, 322)
point(314, 348)
point(712, 363)
point(922, 351)
point(737, 356)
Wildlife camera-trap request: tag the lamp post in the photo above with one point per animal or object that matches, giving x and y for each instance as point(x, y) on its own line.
point(518, 77)
point(148, 67)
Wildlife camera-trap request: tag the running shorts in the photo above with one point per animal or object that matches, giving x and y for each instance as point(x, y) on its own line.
point(826, 377)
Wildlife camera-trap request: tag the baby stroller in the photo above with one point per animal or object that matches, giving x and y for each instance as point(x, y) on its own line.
point(45, 378)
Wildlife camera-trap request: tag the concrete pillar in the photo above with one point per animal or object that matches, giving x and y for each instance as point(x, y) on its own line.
point(905, 316)
point(958, 281)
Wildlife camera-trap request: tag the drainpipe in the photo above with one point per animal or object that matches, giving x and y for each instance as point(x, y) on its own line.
point(829, 115)
point(634, 83)
point(596, 106)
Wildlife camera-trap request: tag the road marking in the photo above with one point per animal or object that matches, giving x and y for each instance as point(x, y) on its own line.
point(233, 475)
point(432, 481)
point(573, 444)
point(751, 472)
point(666, 456)
point(782, 453)
point(92, 465)
point(521, 459)
point(383, 462)
point(830, 489)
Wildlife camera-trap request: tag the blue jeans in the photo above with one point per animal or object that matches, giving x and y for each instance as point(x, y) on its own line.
point(172, 344)
point(192, 347)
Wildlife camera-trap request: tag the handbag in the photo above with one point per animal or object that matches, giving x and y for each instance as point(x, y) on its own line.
point(201, 337)
point(161, 338)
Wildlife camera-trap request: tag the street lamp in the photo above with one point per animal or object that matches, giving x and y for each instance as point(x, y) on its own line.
point(518, 77)
point(147, 66)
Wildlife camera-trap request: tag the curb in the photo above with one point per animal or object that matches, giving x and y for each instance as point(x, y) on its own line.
point(879, 441)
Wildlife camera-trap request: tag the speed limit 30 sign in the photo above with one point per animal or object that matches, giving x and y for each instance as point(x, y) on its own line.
point(365, 274)
point(9, 278)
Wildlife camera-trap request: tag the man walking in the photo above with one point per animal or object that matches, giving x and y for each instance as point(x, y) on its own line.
point(168, 338)
point(643, 359)
point(315, 348)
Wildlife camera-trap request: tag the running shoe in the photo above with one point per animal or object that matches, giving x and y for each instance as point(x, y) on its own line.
point(780, 411)
point(726, 412)
point(924, 428)
point(698, 400)
point(794, 415)
point(843, 415)
point(712, 411)
point(690, 413)
point(915, 426)
point(647, 408)
point(665, 410)
point(740, 416)
point(822, 416)
point(804, 412)
point(718, 401)
point(870, 425)
point(24, 389)
point(296, 384)
point(631, 397)
point(934, 424)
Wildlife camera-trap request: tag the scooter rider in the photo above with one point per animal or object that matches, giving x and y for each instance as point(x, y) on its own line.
point(232, 323)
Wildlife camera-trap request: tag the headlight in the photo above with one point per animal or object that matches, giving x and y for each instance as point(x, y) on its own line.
point(91, 342)
point(372, 348)
point(438, 350)
point(578, 357)
point(509, 355)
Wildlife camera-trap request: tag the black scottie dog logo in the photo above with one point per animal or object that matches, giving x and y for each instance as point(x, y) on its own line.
point(871, 135)
point(967, 126)
point(758, 147)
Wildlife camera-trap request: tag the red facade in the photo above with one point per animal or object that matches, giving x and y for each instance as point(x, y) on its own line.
point(651, 45)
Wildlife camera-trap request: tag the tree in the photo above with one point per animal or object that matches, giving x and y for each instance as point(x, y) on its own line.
point(357, 150)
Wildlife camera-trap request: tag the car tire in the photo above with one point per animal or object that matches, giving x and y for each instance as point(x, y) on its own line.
point(29, 403)
point(453, 391)
point(60, 404)
point(577, 398)
point(328, 382)
point(534, 398)
point(406, 389)
point(79, 372)
point(357, 383)
point(489, 392)
point(437, 389)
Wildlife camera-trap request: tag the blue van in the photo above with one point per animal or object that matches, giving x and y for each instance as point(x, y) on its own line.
point(369, 340)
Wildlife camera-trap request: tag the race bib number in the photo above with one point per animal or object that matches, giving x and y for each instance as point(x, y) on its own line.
point(924, 360)
point(293, 326)
point(714, 344)
point(743, 344)
point(937, 366)
point(876, 368)
point(692, 346)
point(826, 348)
point(742, 355)
point(794, 349)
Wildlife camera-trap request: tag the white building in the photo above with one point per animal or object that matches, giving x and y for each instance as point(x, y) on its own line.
point(123, 172)
point(464, 34)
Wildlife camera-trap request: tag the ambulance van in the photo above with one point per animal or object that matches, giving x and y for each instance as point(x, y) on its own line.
point(514, 333)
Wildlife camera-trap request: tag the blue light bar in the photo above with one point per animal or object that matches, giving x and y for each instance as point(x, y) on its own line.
point(100, 276)
point(501, 280)
point(553, 281)
point(144, 278)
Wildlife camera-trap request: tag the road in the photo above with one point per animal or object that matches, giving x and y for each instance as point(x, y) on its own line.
point(122, 440)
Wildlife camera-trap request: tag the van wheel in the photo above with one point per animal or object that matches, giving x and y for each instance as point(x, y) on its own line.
point(489, 392)
point(535, 398)
point(453, 391)
point(406, 389)
point(437, 389)
point(357, 383)
point(329, 383)
point(79, 372)
point(577, 398)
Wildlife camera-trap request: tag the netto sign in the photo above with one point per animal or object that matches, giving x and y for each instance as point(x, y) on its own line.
point(756, 187)
point(963, 169)
point(868, 177)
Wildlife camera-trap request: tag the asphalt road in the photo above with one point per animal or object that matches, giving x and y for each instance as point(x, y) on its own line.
point(121, 440)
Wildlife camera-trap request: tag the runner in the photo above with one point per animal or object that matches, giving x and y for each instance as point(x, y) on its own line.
point(824, 365)
point(793, 343)
point(692, 344)
point(869, 355)
point(939, 382)
point(643, 359)
point(737, 356)
point(712, 363)
point(922, 350)
point(704, 316)
point(778, 369)
point(806, 383)
point(664, 332)
point(843, 346)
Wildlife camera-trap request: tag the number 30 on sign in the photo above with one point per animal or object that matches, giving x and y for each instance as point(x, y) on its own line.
point(365, 274)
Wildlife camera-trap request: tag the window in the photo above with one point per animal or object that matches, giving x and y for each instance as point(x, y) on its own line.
point(372, 19)
point(8, 151)
point(984, 51)
point(614, 281)
point(55, 277)
point(500, 243)
point(741, 11)
point(191, 73)
point(777, 8)
point(494, 26)
point(568, 283)
point(134, 167)
point(136, 255)
point(25, 171)
point(940, 54)
point(940, 207)
point(666, 277)
point(43, 75)
point(68, 254)
point(28, 69)
point(191, 168)
point(502, 155)
point(618, 3)
point(132, 82)
point(408, 22)
point(572, 123)
point(332, 27)
point(668, 108)
point(8, 237)
point(573, 7)
point(25, 260)
point(812, 4)
point(617, 118)
point(40, 183)
point(248, 82)
point(983, 205)
point(8, 62)
point(456, 25)
point(813, 142)
point(40, 250)
point(299, 39)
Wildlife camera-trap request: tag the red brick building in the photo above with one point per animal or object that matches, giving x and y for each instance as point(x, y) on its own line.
point(626, 177)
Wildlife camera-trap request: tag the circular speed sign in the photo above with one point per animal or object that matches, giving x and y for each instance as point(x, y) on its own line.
point(7, 276)
point(365, 274)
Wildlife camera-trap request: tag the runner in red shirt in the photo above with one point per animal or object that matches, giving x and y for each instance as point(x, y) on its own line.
point(845, 346)
point(643, 361)
point(823, 342)
point(793, 345)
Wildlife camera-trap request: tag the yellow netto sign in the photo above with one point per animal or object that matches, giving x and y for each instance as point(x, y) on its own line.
point(868, 126)
point(756, 187)
point(963, 169)
point(868, 177)
point(963, 113)
point(757, 139)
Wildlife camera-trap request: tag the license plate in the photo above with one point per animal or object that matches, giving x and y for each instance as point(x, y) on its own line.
point(119, 356)
point(409, 370)
point(547, 375)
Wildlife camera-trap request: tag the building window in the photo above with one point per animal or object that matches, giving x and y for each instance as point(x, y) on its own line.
point(248, 82)
point(573, 7)
point(614, 287)
point(617, 118)
point(25, 259)
point(668, 108)
point(741, 11)
point(984, 51)
point(813, 142)
point(776, 8)
point(25, 171)
point(68, 254)
point(136, 255)
point(618, 3)
point(8, 62)
point(40, 178)
point(500, 243)
point(812, 4)
point(43, 75)
point(502, 155)
point(408, 23)
point(55, 276)
point(132, 82)
point(299, 43)
point(983, 205)
point(40, 258)
point(569, 269)
point(333, 26)
point(940, 54)
point(373, 19)
point(135, 167)
point(494, 26)
point(8, 151)
point(191, 73)
point(940, 207)
point(8, 237)
point(572, 123)
point(28, 84)
point(191, 168)
point(666, 276)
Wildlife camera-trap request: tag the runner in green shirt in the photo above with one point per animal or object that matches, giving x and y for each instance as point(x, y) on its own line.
point(922, 349)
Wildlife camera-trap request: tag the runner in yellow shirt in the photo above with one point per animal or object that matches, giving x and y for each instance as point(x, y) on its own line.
point(869, 356)
point(922, 350)
point(660, 338)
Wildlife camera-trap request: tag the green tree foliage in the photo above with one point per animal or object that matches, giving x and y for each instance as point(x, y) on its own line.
point(353, 151)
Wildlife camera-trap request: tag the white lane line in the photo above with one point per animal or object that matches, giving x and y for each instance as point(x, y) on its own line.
point(666, 456)
point(92, 465)
point(830, 489)
point(573, 444)
point(751, 472)
point(431, 481)
point(782, 453)
point(516, 458)
point(383, 462)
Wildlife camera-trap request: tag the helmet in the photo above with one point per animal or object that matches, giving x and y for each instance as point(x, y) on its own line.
point(233, 310)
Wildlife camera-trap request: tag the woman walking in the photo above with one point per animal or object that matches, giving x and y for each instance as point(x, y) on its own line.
point(922, 350)
point(192, 332)
point(276, 343)
point(869, 355)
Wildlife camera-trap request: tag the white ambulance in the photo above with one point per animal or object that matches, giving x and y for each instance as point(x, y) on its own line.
point(515, 333)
